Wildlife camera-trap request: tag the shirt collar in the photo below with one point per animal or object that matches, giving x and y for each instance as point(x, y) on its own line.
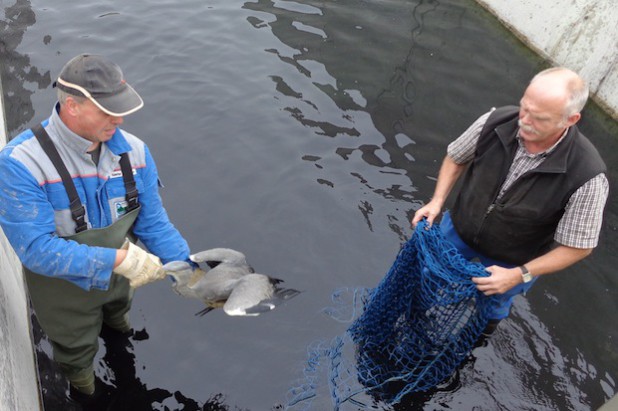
point(542, 153)
point(117, 144)
point(66, 136)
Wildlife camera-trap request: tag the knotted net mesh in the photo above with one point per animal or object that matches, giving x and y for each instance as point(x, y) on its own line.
point(407, 335)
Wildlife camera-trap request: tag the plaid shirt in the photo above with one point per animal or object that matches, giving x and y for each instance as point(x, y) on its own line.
point(580, 225)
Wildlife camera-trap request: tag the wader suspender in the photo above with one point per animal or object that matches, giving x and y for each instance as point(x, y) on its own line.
point(78, 212)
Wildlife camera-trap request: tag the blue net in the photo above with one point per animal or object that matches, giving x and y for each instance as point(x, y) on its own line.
point(406, 335)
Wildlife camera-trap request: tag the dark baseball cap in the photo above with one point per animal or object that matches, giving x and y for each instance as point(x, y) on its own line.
point(101, 81)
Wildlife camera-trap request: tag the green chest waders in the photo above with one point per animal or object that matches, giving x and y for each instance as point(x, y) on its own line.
point(71, 316)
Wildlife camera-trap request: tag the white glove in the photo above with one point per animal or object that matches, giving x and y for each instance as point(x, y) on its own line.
point(139, 266)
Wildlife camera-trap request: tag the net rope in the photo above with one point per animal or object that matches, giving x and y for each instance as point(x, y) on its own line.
point(406, 335)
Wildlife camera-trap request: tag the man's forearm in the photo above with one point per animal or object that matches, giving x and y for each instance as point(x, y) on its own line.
point(557, 259)
point(447, 177)
point(503, 279)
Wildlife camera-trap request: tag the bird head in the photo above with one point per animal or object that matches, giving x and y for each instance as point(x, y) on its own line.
point(180, 271)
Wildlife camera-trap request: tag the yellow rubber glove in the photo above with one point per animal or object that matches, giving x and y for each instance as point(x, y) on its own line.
point(139, 266)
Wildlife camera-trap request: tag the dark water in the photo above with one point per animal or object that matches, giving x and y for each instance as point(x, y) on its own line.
point(306, 134)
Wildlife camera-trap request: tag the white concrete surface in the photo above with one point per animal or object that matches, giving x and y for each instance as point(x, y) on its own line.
point(611, 405)
point(19, 389)
point(579, 34)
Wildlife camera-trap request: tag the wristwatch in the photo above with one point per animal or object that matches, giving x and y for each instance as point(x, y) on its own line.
point(525, 274)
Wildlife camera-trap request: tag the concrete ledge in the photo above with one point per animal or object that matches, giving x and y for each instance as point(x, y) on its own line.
point(579, 34)
point(19, 389)
point(611, 405)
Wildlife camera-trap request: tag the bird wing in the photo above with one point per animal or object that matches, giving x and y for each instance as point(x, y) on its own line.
point(218, 283)
point(226, 255)
point(251, 296)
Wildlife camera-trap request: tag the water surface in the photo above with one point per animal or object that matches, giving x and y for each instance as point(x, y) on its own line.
point(306, 134)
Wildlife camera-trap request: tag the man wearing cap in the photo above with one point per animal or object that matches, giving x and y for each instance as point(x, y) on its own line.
point(72, 191)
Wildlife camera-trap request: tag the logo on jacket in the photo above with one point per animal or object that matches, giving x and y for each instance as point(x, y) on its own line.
point(121, 208)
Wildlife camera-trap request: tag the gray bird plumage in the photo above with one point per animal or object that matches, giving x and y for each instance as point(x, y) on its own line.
point(226, 280)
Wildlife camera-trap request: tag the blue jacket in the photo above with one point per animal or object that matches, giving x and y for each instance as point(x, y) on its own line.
point(34, 207)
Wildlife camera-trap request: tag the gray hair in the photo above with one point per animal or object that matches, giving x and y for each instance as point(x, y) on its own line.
point(576, 88)
point(63, 95)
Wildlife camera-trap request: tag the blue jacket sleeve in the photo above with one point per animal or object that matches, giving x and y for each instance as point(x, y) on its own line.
point(153, 226)
point(27, 219)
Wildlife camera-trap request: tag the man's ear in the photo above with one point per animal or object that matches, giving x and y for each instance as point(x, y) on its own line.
point(572, 119)
point(72, 106)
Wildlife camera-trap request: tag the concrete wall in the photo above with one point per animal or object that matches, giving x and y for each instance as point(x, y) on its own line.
point(19, 389)
point(579, 34)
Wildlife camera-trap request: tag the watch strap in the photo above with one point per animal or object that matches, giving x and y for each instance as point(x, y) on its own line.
point(525, 274)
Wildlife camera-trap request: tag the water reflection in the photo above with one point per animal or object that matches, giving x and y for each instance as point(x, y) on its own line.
point(15, 68)
point(117, 362)
point(518, 368)
point(390, 61)
point(422, 71)
point(116, 368)
point(318, 40)
point(316, 127)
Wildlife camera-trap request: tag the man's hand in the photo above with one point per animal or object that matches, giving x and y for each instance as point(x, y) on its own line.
point(139, 266)
point(430, 211)
point(500, 281)
point(448, 176)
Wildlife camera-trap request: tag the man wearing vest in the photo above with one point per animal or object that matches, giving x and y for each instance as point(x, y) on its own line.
point(72, 191)
point(533, 191)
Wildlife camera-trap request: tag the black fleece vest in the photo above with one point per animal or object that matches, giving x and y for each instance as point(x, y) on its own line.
point(522, 224)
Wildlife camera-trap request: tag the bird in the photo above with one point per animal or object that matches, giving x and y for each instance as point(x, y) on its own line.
point(225, 280)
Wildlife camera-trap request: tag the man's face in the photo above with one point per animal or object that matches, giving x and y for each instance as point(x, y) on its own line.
point(93, 124)
point(538, 123)
point(542, 115)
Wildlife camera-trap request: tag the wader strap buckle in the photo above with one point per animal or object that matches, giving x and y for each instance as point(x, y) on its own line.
point(129, 182)
point(78, 213)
